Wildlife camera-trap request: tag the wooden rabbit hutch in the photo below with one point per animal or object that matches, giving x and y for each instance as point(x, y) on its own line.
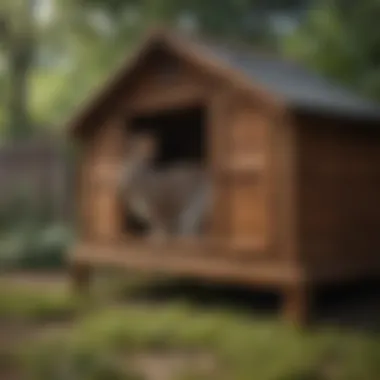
point(294, 163)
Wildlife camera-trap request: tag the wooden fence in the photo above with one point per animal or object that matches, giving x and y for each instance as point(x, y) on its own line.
point(40, 170)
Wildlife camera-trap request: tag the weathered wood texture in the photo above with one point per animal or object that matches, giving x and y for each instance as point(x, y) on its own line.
point(185, 258)
point(103, 146)
point(237, 156)
point(295, 198)
point(98, 198)
point(247, 167)
point(339, 186)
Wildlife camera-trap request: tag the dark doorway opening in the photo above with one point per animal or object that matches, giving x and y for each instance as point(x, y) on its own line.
point(180, 135)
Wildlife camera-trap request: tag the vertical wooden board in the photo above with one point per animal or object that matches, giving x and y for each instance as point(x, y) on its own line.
point(88, 201)
point(84, 196)
point(249, 135)
point(99, 204)
point(218, 124)
point(248, 175)
point(339, 187)
point(248, 224)
point(109, 142)
point(104, 222)
point(106, 210)
point(284, 186)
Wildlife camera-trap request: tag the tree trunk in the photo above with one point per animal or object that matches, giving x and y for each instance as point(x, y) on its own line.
point(18, 112)
point(20, 44)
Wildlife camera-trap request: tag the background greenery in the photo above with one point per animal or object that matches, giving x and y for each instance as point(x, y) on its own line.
point(54, 52)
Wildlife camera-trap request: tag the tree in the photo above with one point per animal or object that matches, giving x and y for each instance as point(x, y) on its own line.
point(17, 41)
point(244, 20)
point(342, 40)
point(65, 57)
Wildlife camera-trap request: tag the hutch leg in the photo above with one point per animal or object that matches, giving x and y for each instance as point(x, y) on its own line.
point(296, 304)
point(81, 277)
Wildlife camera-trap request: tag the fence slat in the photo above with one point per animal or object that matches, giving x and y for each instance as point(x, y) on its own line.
point(41, 168)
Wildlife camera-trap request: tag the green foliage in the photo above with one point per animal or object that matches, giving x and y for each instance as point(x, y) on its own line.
point(33, 248)
point(32, 305)
point(342, 41)
point(57, 362)
point(84, 40)
point(103, 344)
point(17, 41)
point(29, 236)
point(244, 348)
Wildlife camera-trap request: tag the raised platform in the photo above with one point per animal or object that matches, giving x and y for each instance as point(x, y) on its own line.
point(197, 259)
point(191, 259)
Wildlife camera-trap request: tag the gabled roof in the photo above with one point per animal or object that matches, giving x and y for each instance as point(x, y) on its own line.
point(272, 77)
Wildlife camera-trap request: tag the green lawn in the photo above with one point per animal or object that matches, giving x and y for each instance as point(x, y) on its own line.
point(104, 338)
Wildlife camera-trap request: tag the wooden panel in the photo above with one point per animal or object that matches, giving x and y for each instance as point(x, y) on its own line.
point(100, 165)
point(339, 174)
point(248, 180)
point(154, 90)
point(104, 215)
point(219, 123)
point(181, 260)
point(84, 196)
point(249, 134)
point(284, 187)
point(248, 213)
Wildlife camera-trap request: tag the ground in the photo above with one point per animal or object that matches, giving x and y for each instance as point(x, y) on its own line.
point(152, 329)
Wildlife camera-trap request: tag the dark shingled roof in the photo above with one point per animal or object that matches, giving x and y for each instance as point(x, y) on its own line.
point(300, 87)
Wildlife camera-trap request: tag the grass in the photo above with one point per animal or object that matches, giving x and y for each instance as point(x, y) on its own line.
point(245, 347)
point(99, 342)
point(20, 302)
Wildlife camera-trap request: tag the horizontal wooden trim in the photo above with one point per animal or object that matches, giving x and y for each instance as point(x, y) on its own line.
point(250, 165)
point(250, 246)
point(186, 262)
point(182, 97)
point(250, 161)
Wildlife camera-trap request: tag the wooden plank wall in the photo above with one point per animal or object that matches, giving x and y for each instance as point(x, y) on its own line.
point(248, 185)
point(339, 187)
point(100, 203)
point(238, 141)
point(152, 90)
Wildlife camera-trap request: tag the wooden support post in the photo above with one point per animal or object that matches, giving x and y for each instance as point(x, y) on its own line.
point(81, 277)
point(296, 304)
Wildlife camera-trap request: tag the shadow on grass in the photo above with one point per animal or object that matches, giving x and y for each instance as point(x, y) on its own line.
point(354, 305)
